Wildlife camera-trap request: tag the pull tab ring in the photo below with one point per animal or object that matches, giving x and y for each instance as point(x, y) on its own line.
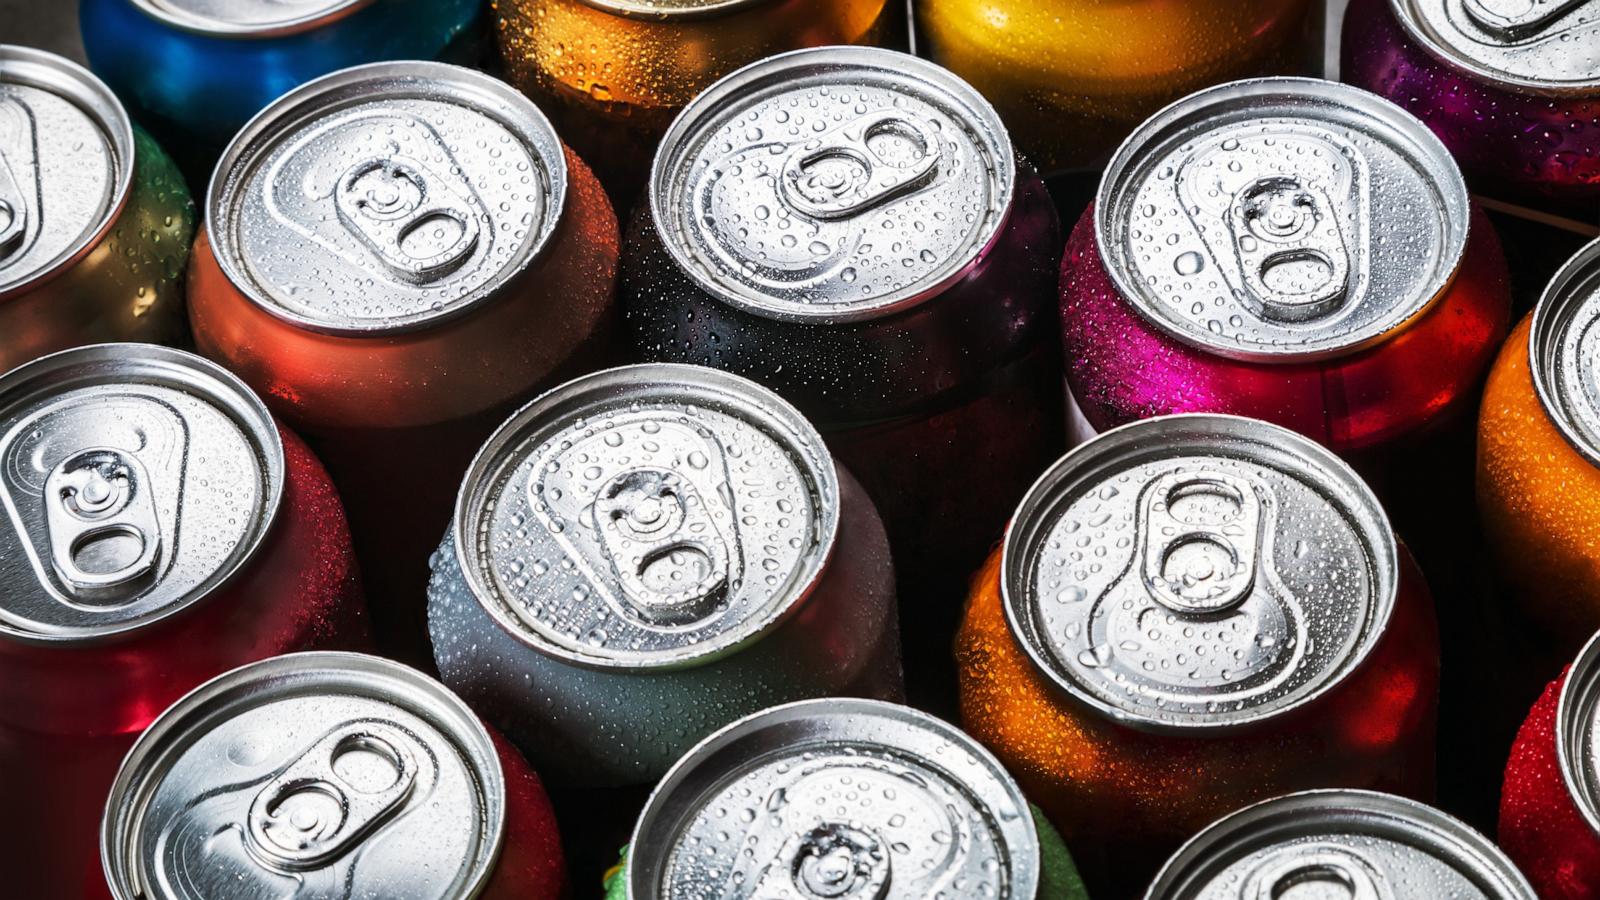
point(667, 553)
point(104, 533)
point(386, 201)
point(1201, 537)
point(1326, 864)
point(1515, 20)
point(1292, 253)
point(13, 210)
point(830, 861)
point(859, 178)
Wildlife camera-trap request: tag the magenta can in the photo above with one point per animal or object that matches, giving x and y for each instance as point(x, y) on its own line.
point(1512, 87)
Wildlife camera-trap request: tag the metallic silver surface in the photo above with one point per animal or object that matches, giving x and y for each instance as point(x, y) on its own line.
point(1543, 46)
point(1578, 733)
point(248, 18)
point(1564, 351)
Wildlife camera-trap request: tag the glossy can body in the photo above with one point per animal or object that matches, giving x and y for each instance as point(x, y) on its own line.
point(1071, 78)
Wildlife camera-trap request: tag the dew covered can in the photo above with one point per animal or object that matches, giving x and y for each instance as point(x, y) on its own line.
point(1188, 614)
point(645, 554)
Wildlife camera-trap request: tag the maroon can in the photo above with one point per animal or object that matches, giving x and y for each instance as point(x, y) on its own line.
point(161, 528)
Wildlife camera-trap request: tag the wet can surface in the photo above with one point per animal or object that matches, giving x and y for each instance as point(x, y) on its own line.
point(842, 798)
point(1188, 614)
point(1297, 251)
point(1340, 843)
point(614, 73)
point(1073, 77)
point(646, 554)
point(95, 222)
point(194, 71)
point(1513, 89)
point(160, 529)
point(396, 256)
point(327, 774)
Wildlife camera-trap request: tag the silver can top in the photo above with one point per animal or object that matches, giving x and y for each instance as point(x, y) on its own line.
point(1564, 351)
point(647, 516)
point(1539, 46)
point(248, 18)
point(1344, 844)
point(307, 776)
point(136, 481)
point(1281, 219)
point(836, 799)
point(1578, 733)
point(66, 164)
point(1198, 572)
point(659, 10)
point(386, 197)
point(838, 183)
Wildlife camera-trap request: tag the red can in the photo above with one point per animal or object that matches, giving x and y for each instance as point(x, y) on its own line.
point(327, 774)
point(161, 528)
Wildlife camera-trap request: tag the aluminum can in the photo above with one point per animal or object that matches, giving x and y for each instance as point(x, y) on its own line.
point(1188, 614)
point(160, 529)
point(95, 222)
point(323, 775)
point(645, 554)
point(1293, 250)
point(397, 256)
point(194, 71)
point(614, 73)
point(1513, 89)
point(843, 798)
point(1340, 843)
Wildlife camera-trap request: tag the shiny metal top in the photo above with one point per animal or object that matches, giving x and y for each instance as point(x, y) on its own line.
point(1564, 351)
point(1282, 219)
point(1339, 845)
point(66, 164)
point(1198, 572)
point(835, 799)
point(1541, 46)
point(1578, 733)
point(674, 10)
point(647, 516)
point(386, 197)
point(136, 480)
point(248, 18)
point(310, 776)
point(834, 183)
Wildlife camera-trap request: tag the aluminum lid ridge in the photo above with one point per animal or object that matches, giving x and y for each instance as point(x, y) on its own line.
point(248, 18)
point(1544, 47)
point(1564, 348)
point(1577, 733)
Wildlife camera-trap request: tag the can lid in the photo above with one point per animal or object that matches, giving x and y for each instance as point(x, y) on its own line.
point(136, 480)
point(386, 197)
point(1199, 572)
point(1578, 733)
point(647, 516)
point(1539, 46)
point(657, 10)
point(837, 183)
point(1353, 844)
point(248, 18)
point(1564, 350)
point(308, 775)
point(66, 152)
point(836, 798)
point(1282, 219)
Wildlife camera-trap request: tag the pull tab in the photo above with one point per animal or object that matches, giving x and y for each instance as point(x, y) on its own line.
point(832, 861)
point(667, 553)
point(342, 788)
point(13, 210)
point(390, 204)
point(1200, 540)
point(1339, 872)
point(1294, 259)
point(859, 165)
point(1514, 20)
point(104, 533)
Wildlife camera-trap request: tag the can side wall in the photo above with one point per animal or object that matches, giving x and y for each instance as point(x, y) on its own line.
point(1541, 828)
point(531, 865)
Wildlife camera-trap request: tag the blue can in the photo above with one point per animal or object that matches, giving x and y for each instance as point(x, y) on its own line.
point(194, 71)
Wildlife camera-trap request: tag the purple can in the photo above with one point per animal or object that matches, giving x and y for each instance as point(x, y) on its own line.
point(1512, 87)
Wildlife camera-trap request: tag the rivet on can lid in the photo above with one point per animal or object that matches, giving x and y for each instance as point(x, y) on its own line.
point(1359, 845)
point(136, 480)
point(248, 18)
point(386, 197)
point(66, 164)
point(1564, 351)
point(312, 774)
point(1281, 219)
point(836, 799)
point(1578, 733)
point(650, 515)
point(1540, 46)
point(840, 182)
point(1198, 572)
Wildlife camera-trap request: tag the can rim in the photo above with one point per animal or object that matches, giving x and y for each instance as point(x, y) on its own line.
point(1290, 814)
point(689, 122)
point(658, 816)
point(1406, 14)
point(1451, 185)
point(76, 84)
point(198, 376)
point(430, 700)
point(561, 403)
point(1097, 456)
point(1550, 318)
point(213, 28)
point(324, 94)
point(632, 9)
point(1580, 693)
